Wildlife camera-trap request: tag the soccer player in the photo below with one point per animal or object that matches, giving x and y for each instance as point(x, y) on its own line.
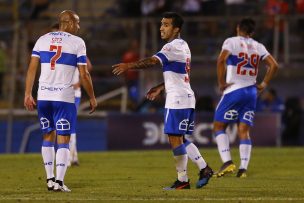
point(237, 69)
point(175, 59)
point(77, 87)
point(59, 54)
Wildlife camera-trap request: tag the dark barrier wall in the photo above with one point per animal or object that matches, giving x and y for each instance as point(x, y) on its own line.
point(91, 135)
point(138, 131)
point(135, 131)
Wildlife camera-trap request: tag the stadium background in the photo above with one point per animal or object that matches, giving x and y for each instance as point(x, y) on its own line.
point(124, 30)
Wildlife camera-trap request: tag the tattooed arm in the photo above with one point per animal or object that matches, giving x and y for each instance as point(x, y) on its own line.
point(141, 64)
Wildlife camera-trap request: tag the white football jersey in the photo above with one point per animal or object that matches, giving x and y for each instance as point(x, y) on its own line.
point(243, 61)
point(175, 57)
point(59, 53)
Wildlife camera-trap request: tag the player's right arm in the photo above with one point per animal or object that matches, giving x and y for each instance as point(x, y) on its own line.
point(87, 84)
point(272, 69)
point(221, 70)
point(141, 64)
point(155, 91)
point(29, 101)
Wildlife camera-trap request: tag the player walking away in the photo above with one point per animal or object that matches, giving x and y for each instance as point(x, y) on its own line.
point(59, 54)
point(74, 161)
point(175, 59)
point(237, 68)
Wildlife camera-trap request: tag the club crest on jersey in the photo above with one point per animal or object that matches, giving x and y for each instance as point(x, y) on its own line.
point(231, 115)
point(63, 124)
point(184, 125)
point(45, 123)
point(248, 116)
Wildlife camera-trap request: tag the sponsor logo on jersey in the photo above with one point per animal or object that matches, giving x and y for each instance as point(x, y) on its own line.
point(56, 40)
point(53, 89)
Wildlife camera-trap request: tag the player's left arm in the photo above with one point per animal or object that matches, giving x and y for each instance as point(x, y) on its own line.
point(87, 84)
point(89, 68)
point(29, 101)
point(141, 64)
point(155, 91)
point(271, 71)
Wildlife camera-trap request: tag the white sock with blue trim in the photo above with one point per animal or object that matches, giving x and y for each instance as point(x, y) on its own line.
point(245, 153)
point(62, 160)
point(48, 156)
point(195, 155)
point(181, 160)
point(223, 147)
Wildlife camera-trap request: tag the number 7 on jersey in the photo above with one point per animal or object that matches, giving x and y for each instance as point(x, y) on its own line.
point(56, 56)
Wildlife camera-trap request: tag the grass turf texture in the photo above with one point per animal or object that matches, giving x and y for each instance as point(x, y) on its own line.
point(275, 174)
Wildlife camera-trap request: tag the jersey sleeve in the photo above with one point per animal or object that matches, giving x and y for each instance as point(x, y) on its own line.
point(228, 45)
point(36, 49)
point(263, 51)
point(165, 54)
point(81, 53)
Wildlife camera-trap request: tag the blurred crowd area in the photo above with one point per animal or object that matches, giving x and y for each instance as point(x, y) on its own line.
point(127, 30)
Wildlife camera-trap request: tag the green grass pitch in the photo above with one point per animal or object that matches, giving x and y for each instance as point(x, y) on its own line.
point(275, 175)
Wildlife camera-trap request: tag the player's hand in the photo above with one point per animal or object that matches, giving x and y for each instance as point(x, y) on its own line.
point(153, 93)
point(224, 86)
point(29, 102)
point(120, 68)
point(261, 87)
point(93, 104)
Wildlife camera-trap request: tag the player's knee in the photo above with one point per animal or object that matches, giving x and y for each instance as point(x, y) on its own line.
point(243, 133)
point(217, 126)
point(50, 137)
point(175, 141)
point(63, 139)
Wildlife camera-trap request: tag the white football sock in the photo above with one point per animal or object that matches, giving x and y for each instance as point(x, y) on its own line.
point(195, 155)
point(48, 156)
point(245, 153)
point(181, 160)
point(62, 159)
point(222, 141)
point(181, 167)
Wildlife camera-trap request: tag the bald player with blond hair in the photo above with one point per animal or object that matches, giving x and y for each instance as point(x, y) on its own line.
point(59, 53)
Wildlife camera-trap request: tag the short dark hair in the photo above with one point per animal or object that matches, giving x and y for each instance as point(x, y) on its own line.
point(177, 20)
point(247, 25)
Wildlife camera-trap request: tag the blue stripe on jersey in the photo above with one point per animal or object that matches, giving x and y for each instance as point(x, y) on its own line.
point(163, 58)
point(176, 67)
point(65, 58)
point(234, 60)
point(82, 59)
point(36, 53)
